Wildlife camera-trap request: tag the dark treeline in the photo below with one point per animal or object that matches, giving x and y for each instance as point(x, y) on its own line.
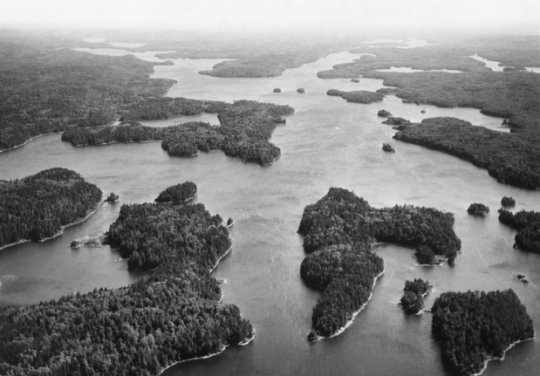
point(339, 231)
point(471, 327)
point(357, 96)
point(414, 292)
point(46, 89)
point(171, 314)
point(245, 131)
point(509, 158)
point(527, 224)
point(37, 206)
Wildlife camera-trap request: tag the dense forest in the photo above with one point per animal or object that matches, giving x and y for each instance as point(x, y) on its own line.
point(245, 131)
point(509, 158)
point(472, 327)
point(183, 193)
point(414, 292)
point(47, 89)
point(527, 224)
point(37, 206)
point(357, 96)
point(171, 314)
point(339, 231)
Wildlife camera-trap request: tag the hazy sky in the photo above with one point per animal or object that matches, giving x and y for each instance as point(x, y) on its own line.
point(423, 15)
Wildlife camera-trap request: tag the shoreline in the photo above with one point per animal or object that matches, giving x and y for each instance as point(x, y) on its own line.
point(501, 358)
point(244, 342)
point(18, 146)
point(354, 314)
point(60, 232)
point(227, 252)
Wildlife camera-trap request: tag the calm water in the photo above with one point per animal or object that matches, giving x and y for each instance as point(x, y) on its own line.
point(328, 142)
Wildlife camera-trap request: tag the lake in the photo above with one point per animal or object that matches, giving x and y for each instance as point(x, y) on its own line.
point(327, 142)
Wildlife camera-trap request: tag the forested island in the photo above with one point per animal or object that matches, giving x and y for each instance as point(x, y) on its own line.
point(414, 292)
point(357, 96)
point(527, 224)
point(509, 158)
point(477, 209)
point(474, 327)
point(37, 207)
point(45, 88)
point(172, 313)
point(339, 231)
point(245, 130)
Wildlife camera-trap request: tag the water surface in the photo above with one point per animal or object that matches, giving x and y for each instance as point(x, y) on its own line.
point(327, 142)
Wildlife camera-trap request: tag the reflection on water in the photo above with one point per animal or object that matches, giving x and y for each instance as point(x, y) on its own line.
point(327, 142)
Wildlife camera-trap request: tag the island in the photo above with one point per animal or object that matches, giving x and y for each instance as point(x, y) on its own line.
point(301, 90)
point(277, 90)
point(383, 113)
point(475, 327)
point(508, 202)
point(183, 193)
point(357, 96)
point(414, 292)
point(40, 206)
point(527, 224)
point(397, 122)
point(112, 198)
point(171, 314)
point(388, 148)
point(245, 131)
point(509, 158)
point(339, 231)
point(477, 209)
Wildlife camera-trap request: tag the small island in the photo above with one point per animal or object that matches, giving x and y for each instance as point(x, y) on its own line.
point(388, 148)
point(357, 96)
point(414, 292)
point(527, 224)
point(277, 90)
point(171, 314)
point(300, 90)
point(40, 206)
point(508, 202)
point(475, 327)
point(184, 193)
point(383, 113)
point(112, 198)
point(478, 210)
point(339, 231)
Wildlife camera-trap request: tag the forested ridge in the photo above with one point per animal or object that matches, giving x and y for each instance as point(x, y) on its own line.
point(509, 158)
point(527, 224)
point(37, 206)
point(471, 327)
point(339, 231)
point(171, 314)
point(245, 130)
